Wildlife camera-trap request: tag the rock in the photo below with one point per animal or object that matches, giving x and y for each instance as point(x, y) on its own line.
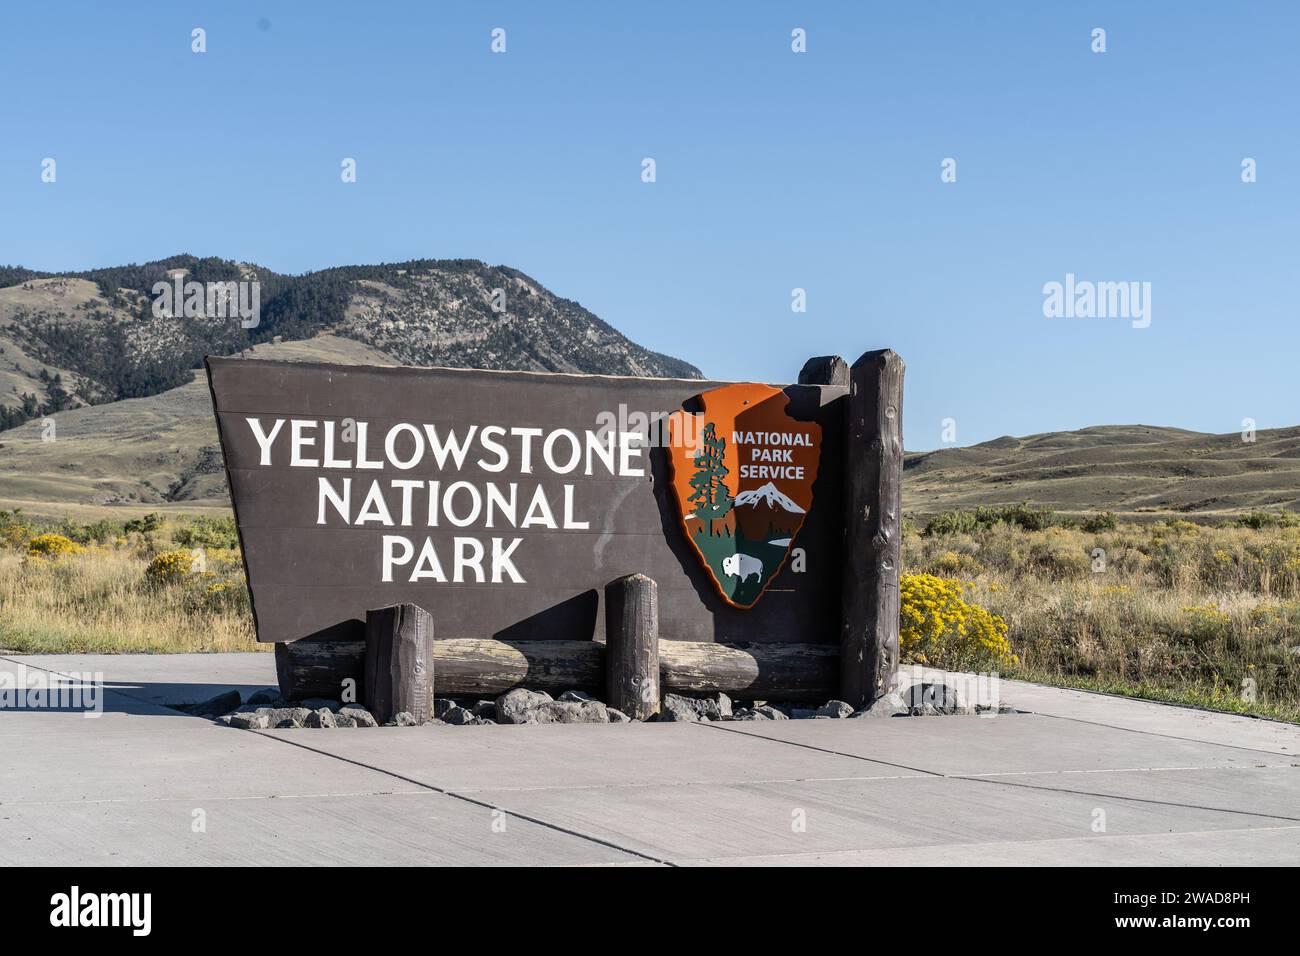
point(405, 719)
point(360, 716)
point(575, 697)
point(891, 705)
point(323, 717)
point(680, 707)
point(441, 705)
point(836, 708)
point(317, 703)
point(514, 706)
point(276, 715)
point(573, 712)
point(674, 707)
point(458, 716)
point(248, 721)
point(483, 722)
point(617, 716)
point(289, 723)
point(768, 712)
point(267, 696)
point(343, 720)
point(221, 704)
point(224, 719)
point(942, 698)
point(487, 709)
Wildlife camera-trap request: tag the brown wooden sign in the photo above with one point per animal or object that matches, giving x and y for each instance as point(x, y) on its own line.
point(504, 502)
point(743, 471)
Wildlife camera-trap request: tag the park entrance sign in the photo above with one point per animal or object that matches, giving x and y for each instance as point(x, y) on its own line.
point(743, 483)
point(503, 503)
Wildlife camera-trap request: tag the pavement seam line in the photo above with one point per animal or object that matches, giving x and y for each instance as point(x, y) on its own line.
point(837, 753)
point(470, 800)
point(1152, 733)
point(1113, 796)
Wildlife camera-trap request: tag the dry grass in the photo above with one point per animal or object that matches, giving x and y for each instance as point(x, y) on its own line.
point(1173, 611)
point(102, 601)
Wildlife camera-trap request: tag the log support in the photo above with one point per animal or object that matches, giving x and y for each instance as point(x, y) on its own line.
point(632, 646)
point(873, 479)
point(399, 662)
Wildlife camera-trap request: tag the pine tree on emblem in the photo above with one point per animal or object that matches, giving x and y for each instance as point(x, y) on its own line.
point(712, 499)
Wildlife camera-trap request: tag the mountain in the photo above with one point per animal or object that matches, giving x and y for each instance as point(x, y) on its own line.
point(88, 338)
point(764, 513)
point(767, 495)
point(1134, 470)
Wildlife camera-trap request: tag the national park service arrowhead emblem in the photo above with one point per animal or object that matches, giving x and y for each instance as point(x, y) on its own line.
point(742, 472)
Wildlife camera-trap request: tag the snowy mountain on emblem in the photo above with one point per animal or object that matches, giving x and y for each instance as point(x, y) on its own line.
point(768, 494)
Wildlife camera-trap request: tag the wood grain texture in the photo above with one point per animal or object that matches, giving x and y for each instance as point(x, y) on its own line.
point(873, 480)
point(632, 646)
point(825, 370)
point(399, 671)
point(471, 668)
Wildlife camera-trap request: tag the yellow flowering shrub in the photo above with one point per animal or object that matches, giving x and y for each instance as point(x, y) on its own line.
point(938, 627)
point(53, 545)
point(169, 566)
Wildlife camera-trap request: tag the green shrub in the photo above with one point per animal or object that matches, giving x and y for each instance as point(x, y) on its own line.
point(1103, 521)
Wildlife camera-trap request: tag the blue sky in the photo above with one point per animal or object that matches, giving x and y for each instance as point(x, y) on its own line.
point(775, 170)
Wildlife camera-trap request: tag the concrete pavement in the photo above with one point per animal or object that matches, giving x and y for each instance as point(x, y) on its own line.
point(1081, 778)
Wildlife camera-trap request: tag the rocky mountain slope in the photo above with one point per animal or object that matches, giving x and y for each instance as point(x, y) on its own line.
point(93, 337)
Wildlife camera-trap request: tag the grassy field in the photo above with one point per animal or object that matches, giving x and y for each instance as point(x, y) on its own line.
point(1174, 611)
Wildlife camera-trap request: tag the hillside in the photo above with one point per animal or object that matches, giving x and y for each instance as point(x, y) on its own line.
point(92, 337)
point(1133, 470)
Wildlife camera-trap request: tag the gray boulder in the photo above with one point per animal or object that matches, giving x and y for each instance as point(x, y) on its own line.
point(890, 705)
point(360, 716)
point(441, 705)
point(617, 716)
point(486, 709)
point(316, 703)
point(288, 723)
point(767, 711)
point(575, 697)
point(406, 719)
point(675, 707)
point(323, 717)
point(513, 707)
point(248, 721)
point(223, 703)
point(343, 720)
point(568, 712)
point(941, 698)
point(267, 696)
point(458, 716)
point(835, 708)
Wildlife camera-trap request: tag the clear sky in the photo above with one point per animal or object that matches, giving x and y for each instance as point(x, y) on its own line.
point(775, 170)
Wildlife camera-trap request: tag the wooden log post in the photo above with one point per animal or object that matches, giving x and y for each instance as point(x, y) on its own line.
point(824, 370)
point(873, 484)
point(632, 646)
point(481, 667)
point(399, 662)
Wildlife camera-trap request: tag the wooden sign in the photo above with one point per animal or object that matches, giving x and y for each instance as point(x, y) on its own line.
point(504, 502)
point(743, 471)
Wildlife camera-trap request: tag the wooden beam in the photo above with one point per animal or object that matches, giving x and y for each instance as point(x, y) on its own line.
point(824, 370)
point(399, 662)
point(466, 667)
point(873, 483)
point(794, 672)
point(632, 646)
point(469, 667)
